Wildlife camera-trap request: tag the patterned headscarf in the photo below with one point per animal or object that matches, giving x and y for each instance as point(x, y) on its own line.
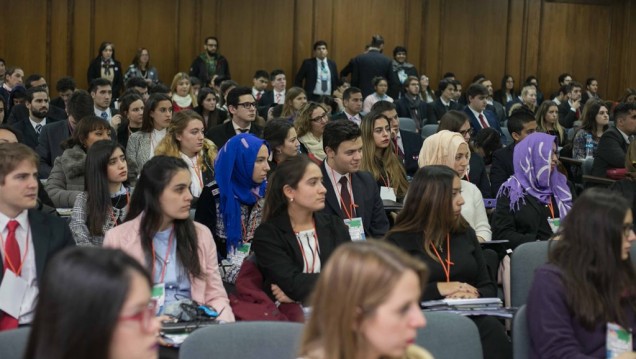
point(234, 167)
point(533, 175)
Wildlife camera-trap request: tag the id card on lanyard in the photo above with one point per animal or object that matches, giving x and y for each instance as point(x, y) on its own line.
point(159, 289)
point(619, 340)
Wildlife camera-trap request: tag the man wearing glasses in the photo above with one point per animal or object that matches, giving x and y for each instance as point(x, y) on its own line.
point(242, 107)
point(210, 64)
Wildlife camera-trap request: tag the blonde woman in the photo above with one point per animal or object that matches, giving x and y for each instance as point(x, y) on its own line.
point(310, 125)
point(183, 97)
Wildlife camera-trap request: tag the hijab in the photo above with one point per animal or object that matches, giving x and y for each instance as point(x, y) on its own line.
point(440, 149)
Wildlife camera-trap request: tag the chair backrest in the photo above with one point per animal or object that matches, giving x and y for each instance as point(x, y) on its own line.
point(450, 336)
point(266, 340)
point(586, 167)
point(632, 255)
point(507, 137)
point(13, 343)
point(428, 130)
point(407, 124)
point(524, 260)
point(520, 335)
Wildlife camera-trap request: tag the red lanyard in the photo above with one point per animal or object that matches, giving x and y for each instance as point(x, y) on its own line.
point(349, 213)
point(26, 250)
point(445, 267)
point(387, 181)
point(165, 259)
point(551, 208)
point(314, 253)
point(112, 212)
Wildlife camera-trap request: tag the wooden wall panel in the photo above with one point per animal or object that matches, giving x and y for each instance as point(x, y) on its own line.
point(24, 27)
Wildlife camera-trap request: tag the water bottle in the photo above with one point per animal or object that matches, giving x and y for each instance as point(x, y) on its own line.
point(589, 146)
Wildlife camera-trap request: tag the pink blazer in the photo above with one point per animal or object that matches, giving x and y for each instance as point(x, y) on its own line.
point(208, 290)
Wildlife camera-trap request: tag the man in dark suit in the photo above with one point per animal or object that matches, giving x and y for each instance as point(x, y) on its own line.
point(20, 112)
point(65, 87)
point(520, 124)
point(570, 110)
point(406, 144)
point(275, 96)
point(411, 104)
point(370, 64)
point(612, 146)
point(242, 108)
point(352, 102)
point(30, 237)
point(37, 104)
point(320, 74)
point(493, 106)
point(443, 103)
point(476, 110)
point(102, 93)
point(49, 146)
point(351, 193)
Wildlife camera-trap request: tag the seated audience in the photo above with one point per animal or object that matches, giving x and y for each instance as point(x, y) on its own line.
point(139, 86)
point(506, 92)
point(612, 146)
point(281, 138)
point(159, 233)
point(570, 110)
point(426, 92)
point(485, 144)
point(295, 99)
point(533, 201)
point(184, 139)
point(310, 126)
point(33, 121)
point(66, 181)
point(131, 108)
point(104, 204)
point(587, 286)
point(432, 229)
point(595, 123)
point(30, 237)
point(107, 286)
point(232, 206)
point(627, 186)
point(382, 286)
point(183, 97)
point(548, 122)
point(295, 240)
point(207, 100)
point(10, 81)
point(156, 119)
point(449, 149)
point(352, 194)
point(379, 158)
point(591, 93)
point(411, 105)
point(380, 87)
point(476, 110)
point(102, 94)
point(352, 106)
point(242, 108)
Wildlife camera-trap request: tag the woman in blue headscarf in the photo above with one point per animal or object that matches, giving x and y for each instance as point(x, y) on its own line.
point(231, 206)
point(531, 204)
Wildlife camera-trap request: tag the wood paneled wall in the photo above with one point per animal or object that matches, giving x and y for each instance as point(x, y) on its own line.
point(520, 37)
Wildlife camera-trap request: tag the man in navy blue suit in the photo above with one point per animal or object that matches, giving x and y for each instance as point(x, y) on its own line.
point(476, 109)
point(319, 73)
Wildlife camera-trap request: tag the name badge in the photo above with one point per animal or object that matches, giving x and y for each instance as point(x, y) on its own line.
point(554, 223)
point(159, 295)
point(387, 193)
point(356, 229)
point(12, 291)
point(619, 340)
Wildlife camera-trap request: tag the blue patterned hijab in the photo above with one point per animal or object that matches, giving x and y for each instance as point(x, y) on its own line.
point(233, 168)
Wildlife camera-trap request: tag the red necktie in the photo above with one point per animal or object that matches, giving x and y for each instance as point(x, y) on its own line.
point(12, 256)
point(398, 149)
point(482, 120)
point(345, 196)
point(258, 96)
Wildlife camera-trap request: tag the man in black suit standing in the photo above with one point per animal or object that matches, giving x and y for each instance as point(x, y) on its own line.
point(319, 73)
point(49, 146)
point(443, 103)
point(242, 107)
point(370, 64)
point(570, 110)
point(37, 104)
point(411, 104)
point(406, 144)
point(612, 146)
point(352, 195)
point(30, 237)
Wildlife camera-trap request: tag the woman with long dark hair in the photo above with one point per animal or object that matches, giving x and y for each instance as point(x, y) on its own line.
point(106, 66)
point(207, 100)
point(157, 116)
point(158, 232)
point(142, 68)
point(595, 122)
point(104, 204)
point(506, 92)
point(295, 239)
point(131, 109)
point(587, 287)
point(431, 228)
point(281, 138)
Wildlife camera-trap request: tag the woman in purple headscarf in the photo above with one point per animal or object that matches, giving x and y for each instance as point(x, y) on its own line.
point(531, 204)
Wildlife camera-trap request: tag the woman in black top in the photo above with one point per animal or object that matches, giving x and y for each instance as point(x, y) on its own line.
point(106, 66)
point(430, 227)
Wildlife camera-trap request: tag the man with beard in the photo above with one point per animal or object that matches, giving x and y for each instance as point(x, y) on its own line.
point(20, 112)
point(210, 63)
point(411, 105)
point(37, 102)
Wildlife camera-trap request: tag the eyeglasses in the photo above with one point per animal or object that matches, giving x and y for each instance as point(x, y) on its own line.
point(144, 316)
point(321, 118)
point(627, 229)
point(247, 105)
point(467, 132)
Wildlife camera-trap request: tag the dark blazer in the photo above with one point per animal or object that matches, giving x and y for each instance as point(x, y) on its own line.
point(266, 101)
point(527, 224)
point(95, 72)
point(478, 175)
point(412, 143)
point(220, 134)
point(308, 73)
point(490, 117)
point(566, 115)
point(58, 102)
point(21, 112)
point(365, 67)
point(396, 88)
point(501, 168)
point(436, 110)
point(279, 257)
point(498, 110)
point(199, 69)
point(610, 152)
point(403, 110)
point(49, 145)
point(367, 198)
point(49, 235)
point(31, 137)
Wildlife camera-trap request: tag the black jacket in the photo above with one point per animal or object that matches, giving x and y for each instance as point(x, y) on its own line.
point(610, 152)
point(95, 72)
point(308, 73)
point(366, 66)
point(220, 134)
point(527, 224)
point(501, 168)
point(200, 70)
